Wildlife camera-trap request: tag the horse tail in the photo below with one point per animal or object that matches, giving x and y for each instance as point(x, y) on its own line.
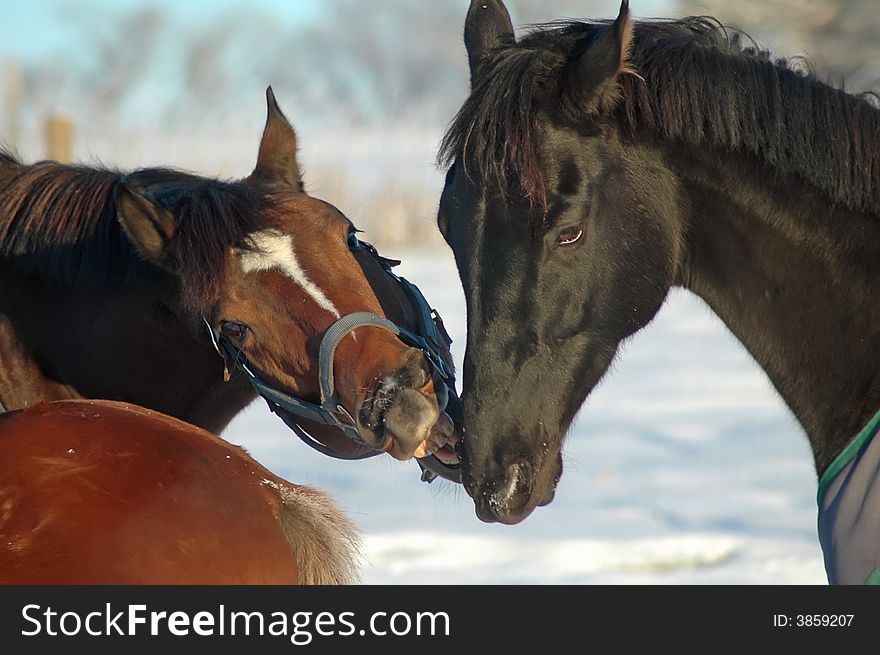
point(325, 542)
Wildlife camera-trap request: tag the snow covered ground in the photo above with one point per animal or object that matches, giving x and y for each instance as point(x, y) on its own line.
point(684, 467)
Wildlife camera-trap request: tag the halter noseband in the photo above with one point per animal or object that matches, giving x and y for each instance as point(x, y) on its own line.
point(431, 339)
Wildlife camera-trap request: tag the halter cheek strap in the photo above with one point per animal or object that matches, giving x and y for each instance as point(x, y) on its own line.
point(329, 411)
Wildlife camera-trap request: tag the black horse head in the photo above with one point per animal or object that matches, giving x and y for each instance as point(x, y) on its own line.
point(561, 240)
point(596, 164)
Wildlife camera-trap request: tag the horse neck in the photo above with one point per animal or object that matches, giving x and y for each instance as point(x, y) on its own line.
point(125, 344)
point(794, 278)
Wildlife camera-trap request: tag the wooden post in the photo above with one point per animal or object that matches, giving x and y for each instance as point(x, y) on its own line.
point(12, 95)
point(59, 139)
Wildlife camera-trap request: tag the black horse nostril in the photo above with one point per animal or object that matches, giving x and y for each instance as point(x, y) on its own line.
point(503, 497)
point(511, 490)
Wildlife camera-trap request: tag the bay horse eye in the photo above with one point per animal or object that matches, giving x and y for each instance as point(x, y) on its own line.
point(235, 331)
point(570, 236)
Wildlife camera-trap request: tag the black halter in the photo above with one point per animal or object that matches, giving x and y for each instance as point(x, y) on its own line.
point(431, 339)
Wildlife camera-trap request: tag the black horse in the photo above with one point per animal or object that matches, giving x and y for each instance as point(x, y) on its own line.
point(595, 166)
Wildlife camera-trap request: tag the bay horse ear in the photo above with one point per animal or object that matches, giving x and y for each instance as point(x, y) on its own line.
point(487, 27)
point(276, 161)
point(147, 220)
point(590, 77)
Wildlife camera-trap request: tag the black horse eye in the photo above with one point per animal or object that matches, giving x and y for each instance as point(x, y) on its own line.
point(354, 243)
point(235, 331)
point(570, 236)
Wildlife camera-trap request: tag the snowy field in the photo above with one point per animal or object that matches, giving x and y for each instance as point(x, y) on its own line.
point(684, 467)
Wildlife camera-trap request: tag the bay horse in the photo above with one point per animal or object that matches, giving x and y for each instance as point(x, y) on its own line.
point(102, 492)
point(594, 166)
point(107, 282)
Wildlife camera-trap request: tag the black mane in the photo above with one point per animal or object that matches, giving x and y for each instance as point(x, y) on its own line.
point(703, 85)
point(60, 223)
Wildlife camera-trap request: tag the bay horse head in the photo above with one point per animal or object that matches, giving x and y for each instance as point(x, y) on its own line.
point(286, 270)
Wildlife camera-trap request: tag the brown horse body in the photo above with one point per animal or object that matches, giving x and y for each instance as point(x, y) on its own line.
point(104, 492)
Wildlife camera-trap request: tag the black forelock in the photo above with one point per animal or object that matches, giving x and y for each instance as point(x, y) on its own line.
point(703, 84)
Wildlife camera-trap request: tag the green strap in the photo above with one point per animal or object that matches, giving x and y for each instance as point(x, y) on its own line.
point(847, 455)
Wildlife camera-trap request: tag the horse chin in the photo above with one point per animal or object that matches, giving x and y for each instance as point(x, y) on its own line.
point(488, 513)
point(489, 509)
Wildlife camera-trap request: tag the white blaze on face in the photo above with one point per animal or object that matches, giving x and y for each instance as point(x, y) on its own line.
point(275, 250)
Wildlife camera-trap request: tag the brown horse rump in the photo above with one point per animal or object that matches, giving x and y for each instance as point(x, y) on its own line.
point(103, 492)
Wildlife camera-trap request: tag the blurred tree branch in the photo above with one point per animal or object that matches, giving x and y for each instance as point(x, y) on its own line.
point(840, 36)
point(121, 55)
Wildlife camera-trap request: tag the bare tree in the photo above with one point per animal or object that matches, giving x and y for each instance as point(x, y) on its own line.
point(840, 36)
point(121, 54)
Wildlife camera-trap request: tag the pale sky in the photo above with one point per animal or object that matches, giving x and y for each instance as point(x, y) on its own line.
point(32, 28)
point(68, 49)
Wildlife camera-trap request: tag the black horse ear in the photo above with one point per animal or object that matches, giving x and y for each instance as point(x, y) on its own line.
point(487, 27)
point(276, 161)
point(590, 83)
point(147, 220)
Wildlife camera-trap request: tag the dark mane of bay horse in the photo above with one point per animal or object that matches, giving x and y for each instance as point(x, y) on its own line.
point(60, 223)
point(707, 86)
